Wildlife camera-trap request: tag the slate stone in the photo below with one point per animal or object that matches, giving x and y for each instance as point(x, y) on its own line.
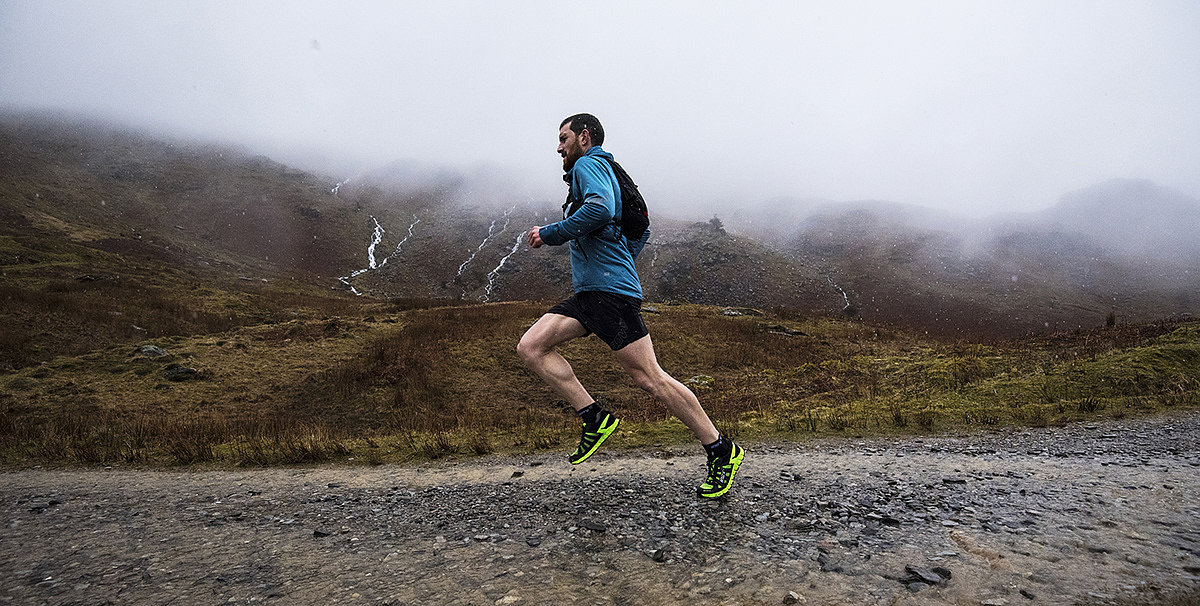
point(925, 575)
point(178, 372)
point(150, 351)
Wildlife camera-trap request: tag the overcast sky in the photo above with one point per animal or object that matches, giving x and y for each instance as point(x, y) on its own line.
point(973, 106)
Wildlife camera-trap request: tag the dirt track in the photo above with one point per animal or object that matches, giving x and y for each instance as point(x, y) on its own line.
point(1085, 514)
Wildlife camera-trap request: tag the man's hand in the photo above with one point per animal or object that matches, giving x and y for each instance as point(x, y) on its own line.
point(535, 238)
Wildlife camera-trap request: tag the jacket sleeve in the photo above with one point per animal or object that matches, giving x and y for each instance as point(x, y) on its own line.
point(599, 204)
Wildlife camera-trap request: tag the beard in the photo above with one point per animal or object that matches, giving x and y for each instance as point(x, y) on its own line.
point(571, 153)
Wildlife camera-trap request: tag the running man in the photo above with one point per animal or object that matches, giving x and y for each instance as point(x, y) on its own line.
point(608, 302)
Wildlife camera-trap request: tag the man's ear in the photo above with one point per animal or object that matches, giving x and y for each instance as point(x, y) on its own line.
point(585, 138)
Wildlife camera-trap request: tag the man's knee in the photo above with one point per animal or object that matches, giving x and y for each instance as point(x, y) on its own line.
point(654, 384)
point(529, 349)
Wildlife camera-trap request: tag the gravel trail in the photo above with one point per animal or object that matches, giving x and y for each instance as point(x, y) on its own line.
point(1089, 513)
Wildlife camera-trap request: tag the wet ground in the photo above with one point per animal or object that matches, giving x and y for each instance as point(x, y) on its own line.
point(1084, 514)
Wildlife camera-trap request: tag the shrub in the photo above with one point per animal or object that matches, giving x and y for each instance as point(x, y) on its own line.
point(437, 445)
point(478, 442)
point(1032, 415)
point(837, 419)
point(1089, 405)
point(984, 416)
point(193, 441)
point(967, 370)
point(925, 419)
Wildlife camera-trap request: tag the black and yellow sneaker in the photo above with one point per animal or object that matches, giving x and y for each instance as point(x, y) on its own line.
point(721, 469)
point(594, 435)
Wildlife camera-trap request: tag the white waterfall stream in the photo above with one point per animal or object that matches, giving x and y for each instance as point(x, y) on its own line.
point(401, 243)
point(376, 238)
point(491, 233)
point(487, 293)
point(839, 288)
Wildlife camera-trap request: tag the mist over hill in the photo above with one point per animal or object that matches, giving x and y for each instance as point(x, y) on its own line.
point(1125, 247)
point(1131, 216)
point(409, 229)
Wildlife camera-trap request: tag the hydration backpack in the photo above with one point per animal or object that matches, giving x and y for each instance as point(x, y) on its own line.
point(634, 217)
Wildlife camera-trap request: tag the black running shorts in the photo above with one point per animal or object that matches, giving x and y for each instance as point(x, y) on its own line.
point(616, 319)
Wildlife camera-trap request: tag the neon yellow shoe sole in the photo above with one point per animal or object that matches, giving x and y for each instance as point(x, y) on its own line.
point(590, 441)
point(720, 477)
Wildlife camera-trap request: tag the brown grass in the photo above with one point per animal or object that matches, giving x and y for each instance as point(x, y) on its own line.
point(403, 381)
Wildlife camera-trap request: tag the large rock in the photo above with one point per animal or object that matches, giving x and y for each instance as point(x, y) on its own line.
point(923, 575)
point(740, 311)
point(150, 351)
point(179, 372)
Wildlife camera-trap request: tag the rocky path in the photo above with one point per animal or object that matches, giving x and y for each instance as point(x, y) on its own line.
point(1086, 514)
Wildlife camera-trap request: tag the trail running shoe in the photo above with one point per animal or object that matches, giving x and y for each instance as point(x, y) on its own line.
point(593, 436)
point(720, 473)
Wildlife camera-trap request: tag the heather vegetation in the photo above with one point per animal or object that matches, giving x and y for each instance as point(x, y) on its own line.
point(411, 381)
point(65, 299)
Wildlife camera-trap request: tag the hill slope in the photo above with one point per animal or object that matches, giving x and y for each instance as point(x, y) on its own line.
point(110, 236)
point(1063, 269)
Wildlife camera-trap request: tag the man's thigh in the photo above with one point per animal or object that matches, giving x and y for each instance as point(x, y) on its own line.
point(638, 358)
point(553, 329)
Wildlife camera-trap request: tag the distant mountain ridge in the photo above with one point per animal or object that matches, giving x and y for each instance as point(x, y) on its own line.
point(219, 211)
point(1132, 216)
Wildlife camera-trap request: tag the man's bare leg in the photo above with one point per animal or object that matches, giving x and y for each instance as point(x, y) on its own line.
point(639, 361)
point(724, 457)
point(536, 349)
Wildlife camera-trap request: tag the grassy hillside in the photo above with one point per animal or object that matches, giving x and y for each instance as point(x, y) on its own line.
point(82, 201)
point(111, 237)
point(230, 264)
point(192, 205)
point(392, 384)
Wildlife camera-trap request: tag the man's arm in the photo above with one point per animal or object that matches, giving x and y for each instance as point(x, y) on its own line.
point(599, 205)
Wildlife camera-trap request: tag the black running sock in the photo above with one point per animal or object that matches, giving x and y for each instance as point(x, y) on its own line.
point(591, 413)
point(718, 448)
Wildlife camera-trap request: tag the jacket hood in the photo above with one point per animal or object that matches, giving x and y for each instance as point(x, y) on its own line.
point(594, 151)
